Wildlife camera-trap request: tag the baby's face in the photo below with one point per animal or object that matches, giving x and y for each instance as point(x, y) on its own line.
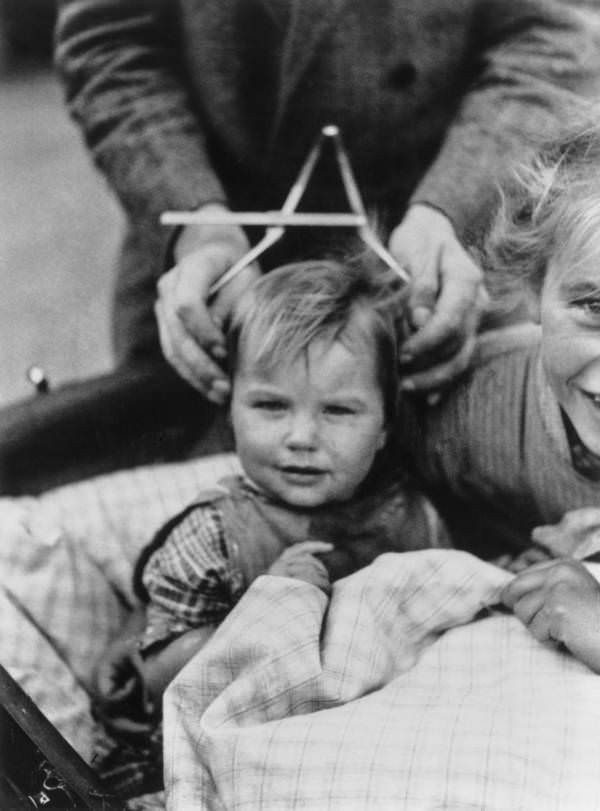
point(307, 432)
point(570, 320)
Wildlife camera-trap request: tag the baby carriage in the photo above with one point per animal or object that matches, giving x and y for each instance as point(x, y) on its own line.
point(132, 418)
point(125, 419)
point(89, 471)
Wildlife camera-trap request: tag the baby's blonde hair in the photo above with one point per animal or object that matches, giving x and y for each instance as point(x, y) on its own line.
point(282, 313)
point(549, 210)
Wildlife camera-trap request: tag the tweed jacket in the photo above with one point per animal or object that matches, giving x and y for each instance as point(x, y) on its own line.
point(183, 102)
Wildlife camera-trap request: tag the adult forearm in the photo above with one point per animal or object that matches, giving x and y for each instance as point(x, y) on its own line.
point(540, 60)
point(118, 60)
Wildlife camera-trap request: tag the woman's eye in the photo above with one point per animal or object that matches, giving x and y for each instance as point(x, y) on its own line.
point(590, 306)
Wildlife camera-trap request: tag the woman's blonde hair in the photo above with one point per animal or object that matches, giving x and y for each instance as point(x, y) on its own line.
point(282, 313)
point(549, 209)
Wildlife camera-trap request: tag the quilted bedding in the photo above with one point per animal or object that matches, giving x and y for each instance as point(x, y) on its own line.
point(407, 691)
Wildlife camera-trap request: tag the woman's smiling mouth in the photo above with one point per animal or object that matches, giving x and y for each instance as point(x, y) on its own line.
point(592, 397)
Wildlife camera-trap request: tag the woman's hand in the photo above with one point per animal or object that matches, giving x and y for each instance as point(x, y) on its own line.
point(577, 534)
point(191, 329)
point(528, 557)
point(299, 561)
point(446, 302)
point(559, 600)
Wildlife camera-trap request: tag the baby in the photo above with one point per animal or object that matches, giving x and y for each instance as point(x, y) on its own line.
point(313, 358)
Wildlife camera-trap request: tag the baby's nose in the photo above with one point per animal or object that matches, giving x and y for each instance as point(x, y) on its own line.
point(303, 431)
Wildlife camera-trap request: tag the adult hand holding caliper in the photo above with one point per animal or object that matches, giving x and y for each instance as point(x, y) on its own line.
point(213, 256)
point(447, 298)
point(191, 333)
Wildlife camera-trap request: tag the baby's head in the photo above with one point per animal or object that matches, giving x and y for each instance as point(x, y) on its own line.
point(546, 243)
point(313, 354)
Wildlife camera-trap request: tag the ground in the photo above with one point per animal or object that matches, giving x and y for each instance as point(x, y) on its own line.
point(59, 234)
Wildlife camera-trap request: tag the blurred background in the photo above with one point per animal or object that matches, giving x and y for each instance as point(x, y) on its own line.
point(59, 225)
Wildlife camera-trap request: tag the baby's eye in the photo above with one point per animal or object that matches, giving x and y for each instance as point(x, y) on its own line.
point(270, 405)
point(338, 410)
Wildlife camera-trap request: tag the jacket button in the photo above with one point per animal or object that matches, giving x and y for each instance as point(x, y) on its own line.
point(401, 75)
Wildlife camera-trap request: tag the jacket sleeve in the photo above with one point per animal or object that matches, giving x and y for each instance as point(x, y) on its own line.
point(119, 62)
point(534, 60)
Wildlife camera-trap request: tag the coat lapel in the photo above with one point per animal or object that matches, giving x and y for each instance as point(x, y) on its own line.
point(305, 22)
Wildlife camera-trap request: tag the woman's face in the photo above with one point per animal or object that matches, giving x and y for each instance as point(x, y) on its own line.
point(570, 320)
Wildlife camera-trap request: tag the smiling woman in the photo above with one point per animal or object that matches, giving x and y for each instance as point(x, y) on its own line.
point(517, 444)
point(547, 234)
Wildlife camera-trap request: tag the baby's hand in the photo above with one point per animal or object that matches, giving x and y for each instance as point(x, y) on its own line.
point(299, 562)
point(559, 600)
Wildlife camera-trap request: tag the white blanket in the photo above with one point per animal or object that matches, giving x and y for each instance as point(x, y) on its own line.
point(397, 694)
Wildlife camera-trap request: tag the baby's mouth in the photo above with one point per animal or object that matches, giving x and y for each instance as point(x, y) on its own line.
point(302, 470)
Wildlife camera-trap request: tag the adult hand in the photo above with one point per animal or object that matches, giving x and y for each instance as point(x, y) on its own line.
point(446, 301)
point(299, 561)
point(528, 557)
point(559, 601)
point(190, 327)
point(577, 534)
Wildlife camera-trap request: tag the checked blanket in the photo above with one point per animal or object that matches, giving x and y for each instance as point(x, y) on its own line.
point(66, 563)
point(406, 690)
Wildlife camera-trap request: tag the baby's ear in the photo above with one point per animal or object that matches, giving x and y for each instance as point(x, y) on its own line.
point(383, 436)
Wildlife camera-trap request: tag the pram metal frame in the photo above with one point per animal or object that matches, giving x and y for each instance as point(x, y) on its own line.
point(80, 779)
